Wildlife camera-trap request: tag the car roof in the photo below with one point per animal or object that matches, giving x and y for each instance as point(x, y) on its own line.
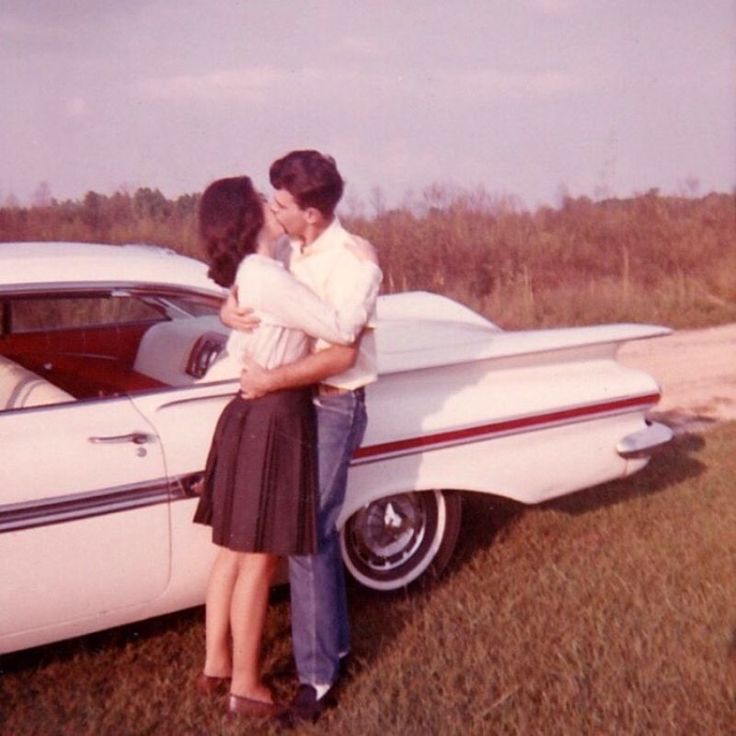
point(74, 263)
point(415, 329)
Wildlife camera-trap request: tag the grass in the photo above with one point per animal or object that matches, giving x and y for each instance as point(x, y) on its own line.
point(611, 611)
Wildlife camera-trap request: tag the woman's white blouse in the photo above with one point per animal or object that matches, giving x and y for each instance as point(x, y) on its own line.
point(290, 314)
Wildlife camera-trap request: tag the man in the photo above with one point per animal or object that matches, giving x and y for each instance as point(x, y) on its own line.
point(322, 255)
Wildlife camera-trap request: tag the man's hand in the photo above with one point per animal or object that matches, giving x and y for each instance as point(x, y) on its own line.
point(236, 317)
point(255, 380)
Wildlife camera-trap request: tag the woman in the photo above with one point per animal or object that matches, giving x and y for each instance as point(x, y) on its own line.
point(259, 490)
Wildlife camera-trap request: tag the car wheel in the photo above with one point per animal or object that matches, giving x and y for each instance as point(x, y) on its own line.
point(398, 540)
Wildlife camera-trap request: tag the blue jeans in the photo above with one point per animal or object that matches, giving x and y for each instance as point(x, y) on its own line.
point(319, 614)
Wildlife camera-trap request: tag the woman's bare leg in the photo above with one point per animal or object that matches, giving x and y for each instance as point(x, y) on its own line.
point(247, 617)
point(224, 574)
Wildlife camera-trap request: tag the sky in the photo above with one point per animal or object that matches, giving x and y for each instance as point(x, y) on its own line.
point(531, 99)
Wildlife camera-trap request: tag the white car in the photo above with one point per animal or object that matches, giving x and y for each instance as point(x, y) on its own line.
point(106, 416)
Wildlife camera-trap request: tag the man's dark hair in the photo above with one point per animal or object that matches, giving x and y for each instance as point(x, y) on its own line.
point(230, 218)
point(311, 178)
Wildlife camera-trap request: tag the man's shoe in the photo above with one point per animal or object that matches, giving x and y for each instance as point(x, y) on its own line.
point(344, 666)
point(304, 706)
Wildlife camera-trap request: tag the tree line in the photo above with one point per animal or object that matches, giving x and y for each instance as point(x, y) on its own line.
point(649, 257)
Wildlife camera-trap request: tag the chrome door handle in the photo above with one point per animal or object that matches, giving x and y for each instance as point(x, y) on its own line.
point(137, 438)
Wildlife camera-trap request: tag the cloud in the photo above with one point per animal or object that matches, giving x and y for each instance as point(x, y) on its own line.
point(552, 7)
point(477, 82)
point(37, 14)
point(20, 28)
point(75, 107)
point(358, 48)
point(367, 89)
point(223, 84)
point(262, 85)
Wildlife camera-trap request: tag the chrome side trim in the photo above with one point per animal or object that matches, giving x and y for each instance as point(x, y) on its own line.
point(502, 428)
point(77, 506)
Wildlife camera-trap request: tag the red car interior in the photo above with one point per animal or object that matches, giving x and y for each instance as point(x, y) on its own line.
point(86, 362)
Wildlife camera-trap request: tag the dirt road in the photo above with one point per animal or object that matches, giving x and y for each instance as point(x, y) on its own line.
point(697, 372)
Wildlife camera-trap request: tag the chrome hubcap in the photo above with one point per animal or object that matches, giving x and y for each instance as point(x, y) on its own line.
point(387, 532)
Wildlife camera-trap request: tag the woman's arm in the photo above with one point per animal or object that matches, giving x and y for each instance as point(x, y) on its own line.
point(296, 306)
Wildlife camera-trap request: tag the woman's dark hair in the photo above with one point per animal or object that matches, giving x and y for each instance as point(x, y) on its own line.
point(311, 178)
point(230, 218)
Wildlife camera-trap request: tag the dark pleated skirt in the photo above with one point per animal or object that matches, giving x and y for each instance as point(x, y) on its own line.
point(260, 485)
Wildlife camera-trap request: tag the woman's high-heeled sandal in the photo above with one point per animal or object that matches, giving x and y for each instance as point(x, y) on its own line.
point(239, 705)
point(210, 686)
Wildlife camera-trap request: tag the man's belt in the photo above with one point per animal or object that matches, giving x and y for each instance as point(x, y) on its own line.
point(324, 389)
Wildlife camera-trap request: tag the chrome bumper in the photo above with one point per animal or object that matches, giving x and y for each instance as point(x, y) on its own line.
point(645, 442)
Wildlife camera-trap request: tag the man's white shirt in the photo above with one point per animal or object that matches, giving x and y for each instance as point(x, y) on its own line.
point(337, 276)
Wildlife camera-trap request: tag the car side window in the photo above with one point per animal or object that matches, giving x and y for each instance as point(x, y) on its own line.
point(68, 347)
point(49, 313)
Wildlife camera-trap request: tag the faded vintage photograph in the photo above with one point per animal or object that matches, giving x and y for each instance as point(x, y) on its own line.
point(367, 368)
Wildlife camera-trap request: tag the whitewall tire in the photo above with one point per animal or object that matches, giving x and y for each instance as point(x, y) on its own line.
point(402, 539)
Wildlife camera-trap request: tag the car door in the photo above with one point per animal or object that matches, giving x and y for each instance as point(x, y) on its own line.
point(84, 497)
point(185, 420)
point(84, 522)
